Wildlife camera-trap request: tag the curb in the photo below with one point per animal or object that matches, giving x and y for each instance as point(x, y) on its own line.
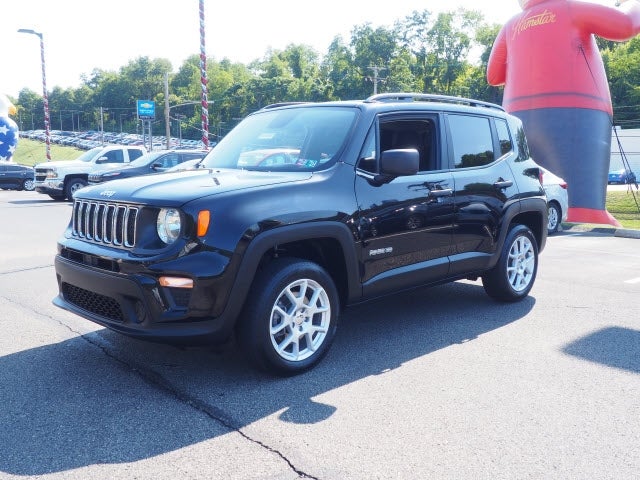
point(626, 233)
point(613, 231)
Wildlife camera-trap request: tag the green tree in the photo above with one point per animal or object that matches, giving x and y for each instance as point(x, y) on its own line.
point(338, 71)
point(441, 46)
point(373, 52)
point(622, 64)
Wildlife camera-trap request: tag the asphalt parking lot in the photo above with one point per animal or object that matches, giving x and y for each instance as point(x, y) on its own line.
point(439, 383)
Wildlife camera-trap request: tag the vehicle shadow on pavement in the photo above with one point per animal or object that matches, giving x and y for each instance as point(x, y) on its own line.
point(103, 398)
point(616, 347)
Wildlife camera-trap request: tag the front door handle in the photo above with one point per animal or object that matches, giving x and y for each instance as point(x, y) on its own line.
point(444, 192)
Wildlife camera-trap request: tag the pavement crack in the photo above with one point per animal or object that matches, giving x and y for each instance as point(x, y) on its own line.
point(29, 269)
point(158, 381)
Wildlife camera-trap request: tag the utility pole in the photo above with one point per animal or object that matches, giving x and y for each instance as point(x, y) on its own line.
point(376, 78)
point(167, 109)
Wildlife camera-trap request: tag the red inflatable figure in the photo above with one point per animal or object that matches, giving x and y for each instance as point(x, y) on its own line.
point(548, 61)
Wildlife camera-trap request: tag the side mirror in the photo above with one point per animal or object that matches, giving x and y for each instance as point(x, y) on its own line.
point(102, 160)
point(400, 162)
point(397, 163)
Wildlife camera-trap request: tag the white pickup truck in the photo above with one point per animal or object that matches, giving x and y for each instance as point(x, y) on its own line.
point(60, 179)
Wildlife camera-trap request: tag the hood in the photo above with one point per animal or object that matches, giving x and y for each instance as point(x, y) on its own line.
point(175, 189)
point(60, 164)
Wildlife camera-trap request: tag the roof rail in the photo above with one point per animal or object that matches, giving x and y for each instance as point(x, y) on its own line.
point(427, 97)
point(281, 104)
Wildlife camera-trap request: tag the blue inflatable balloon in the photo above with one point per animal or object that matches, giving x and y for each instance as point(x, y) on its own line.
point(8, 129)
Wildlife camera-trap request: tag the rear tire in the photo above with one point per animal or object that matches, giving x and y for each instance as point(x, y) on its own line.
point(29, 185)
point(290, 317)
point(512, 278)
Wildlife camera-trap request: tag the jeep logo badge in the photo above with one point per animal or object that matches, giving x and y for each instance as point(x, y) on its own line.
point(107, 193)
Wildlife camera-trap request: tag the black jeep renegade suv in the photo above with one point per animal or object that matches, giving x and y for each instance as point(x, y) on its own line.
point(304, 209)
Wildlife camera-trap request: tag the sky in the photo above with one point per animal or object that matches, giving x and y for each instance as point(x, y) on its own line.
point(81, 35)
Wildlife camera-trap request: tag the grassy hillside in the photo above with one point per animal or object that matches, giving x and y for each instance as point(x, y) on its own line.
point(30, 152)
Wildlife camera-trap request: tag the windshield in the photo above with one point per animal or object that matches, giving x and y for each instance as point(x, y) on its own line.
point(146, 159)
point(303, 138)
point(89, 154)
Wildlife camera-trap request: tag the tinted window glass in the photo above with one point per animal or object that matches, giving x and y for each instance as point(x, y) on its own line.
point(472, 142)
point(503, 137)
point(134, 153)
point(368, 155)
point(521, 139)
point(114, 156)
point(305, 138)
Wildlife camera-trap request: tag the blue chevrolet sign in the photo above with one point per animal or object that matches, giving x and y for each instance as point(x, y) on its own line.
point(146, 110)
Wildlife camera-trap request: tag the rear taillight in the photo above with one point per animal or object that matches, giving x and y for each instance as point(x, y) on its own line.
point(563, 185)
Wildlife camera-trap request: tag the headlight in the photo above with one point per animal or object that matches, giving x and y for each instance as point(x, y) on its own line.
point(168, 225)
point(52, 173)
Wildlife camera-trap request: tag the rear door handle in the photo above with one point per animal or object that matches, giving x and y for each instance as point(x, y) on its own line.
point(500, 184)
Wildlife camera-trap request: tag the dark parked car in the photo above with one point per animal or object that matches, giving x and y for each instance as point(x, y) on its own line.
point(152, 162)
point(386, 194)
point(14, 176)
point(622, 176)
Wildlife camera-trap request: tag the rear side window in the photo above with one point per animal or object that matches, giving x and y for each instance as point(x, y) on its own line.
point(134, 153)
point(506, 145)
point(471, 141)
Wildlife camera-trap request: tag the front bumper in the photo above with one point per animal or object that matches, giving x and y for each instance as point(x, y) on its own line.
point(50, 187)
point(136, 305)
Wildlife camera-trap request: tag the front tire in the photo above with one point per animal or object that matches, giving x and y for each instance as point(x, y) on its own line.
point(290, 317)
point(512, 278)
point(73, 186)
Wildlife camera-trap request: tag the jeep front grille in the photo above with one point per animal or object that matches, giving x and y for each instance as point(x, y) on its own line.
point(107, 223)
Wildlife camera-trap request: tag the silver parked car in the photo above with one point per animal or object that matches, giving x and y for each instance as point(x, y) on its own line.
point(557, 199)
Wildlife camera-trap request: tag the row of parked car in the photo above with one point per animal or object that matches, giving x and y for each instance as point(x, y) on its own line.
point(86, 140)
point(61, 179)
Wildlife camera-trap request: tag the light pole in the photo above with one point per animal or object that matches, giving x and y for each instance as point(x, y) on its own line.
point(122, 115)
point(167, 115)
point(179, 119)
point(47, 128)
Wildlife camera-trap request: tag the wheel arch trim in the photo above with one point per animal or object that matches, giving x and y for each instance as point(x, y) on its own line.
point(292, 233)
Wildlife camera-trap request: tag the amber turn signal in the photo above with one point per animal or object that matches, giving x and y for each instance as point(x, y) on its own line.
point(203, 222)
